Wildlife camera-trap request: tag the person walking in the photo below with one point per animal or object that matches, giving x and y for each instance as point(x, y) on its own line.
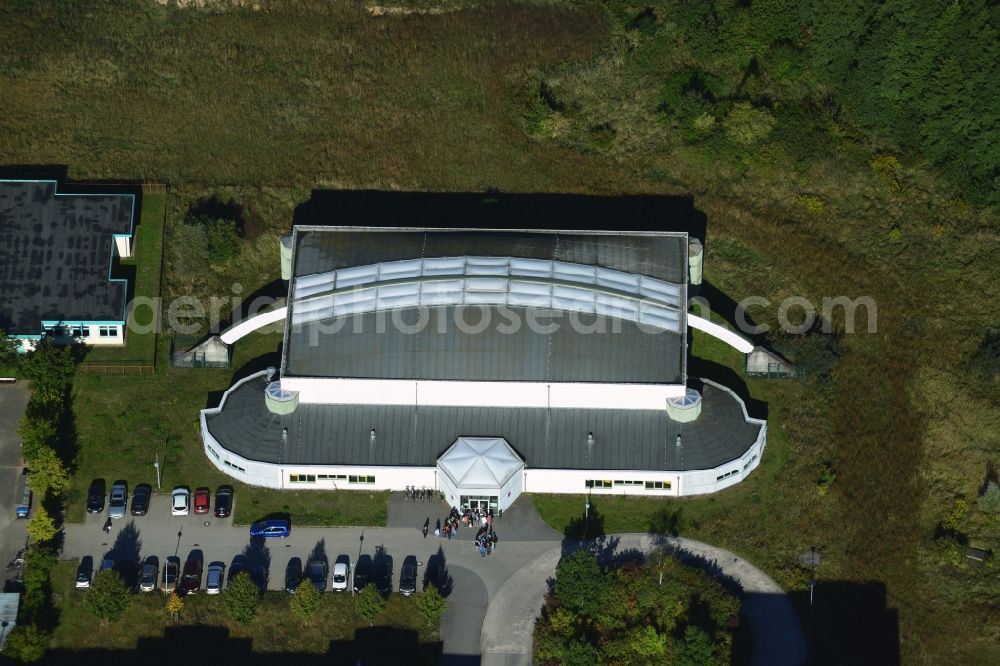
point(494, 539)
point(426, 523)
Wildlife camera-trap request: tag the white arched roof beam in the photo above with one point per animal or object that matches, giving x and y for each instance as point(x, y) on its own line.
point(234, 333)
point(732, 339)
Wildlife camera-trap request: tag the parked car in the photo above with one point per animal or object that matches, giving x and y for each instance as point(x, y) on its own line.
point(383, 576)
point(191, 579)
point(408, 576)
point(107, 563)
point(170, 572)
point(362, 572)
point(96, 496)
point(119, 500)
point(258, 574)
point(215, 578)
point(293, 575)
point(140, 499)
point(224, 501)
point(148, 574)
point(180, 501)
point(271, 528)
point(341, 573)
point(84, 571)
point(316, 570)
point(201, 500)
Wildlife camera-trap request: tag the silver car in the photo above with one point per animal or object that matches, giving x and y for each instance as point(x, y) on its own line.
point(215, 578)
point(148, 574)
point(119, 500)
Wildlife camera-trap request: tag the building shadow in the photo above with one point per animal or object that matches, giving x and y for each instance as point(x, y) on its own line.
point(213, 645)
point(502, 210)
point(699, 368)
point(849, 622)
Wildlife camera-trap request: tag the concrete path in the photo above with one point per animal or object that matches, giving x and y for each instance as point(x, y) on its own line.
point(510, 619)
point(13, 400)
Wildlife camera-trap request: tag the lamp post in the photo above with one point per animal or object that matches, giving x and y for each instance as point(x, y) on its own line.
point(156, 464)
point(586, 518)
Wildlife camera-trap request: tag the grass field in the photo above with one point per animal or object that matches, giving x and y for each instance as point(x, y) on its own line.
point(140, 347)
point(274, 629)
point(570, 98)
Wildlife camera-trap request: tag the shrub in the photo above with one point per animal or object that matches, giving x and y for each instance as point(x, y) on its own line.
point(887, 170)
point(108, 597)
point(989, 501)
point(242, 598)
point(46, 472)
point(696, 649)
point(959, 508)
point(747, 125)
point(26, 643)
point(369, 604)
point(175, 604)
point(812, 204)
point(431, 605)
point(305, 601)
point(579, 581)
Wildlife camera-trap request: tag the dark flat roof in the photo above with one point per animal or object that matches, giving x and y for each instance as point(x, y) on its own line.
point(55, 255)
point(545, 438)
point(443, 350)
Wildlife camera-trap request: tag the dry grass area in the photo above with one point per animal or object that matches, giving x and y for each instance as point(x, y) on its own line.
point(263, 106)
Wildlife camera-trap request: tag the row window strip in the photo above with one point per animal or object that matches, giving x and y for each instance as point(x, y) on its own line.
point(750, 462)
point(72, 331)
point(311, 478)
point(727, 474)
point(236, 467)
point(607, 483)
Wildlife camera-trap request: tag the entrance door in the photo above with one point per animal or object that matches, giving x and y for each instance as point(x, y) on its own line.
point(486, 504)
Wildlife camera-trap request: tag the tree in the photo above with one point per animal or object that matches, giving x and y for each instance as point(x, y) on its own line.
point(579, 653)
point(431, 605)
point(369, 604)
point(579, 583)
point(8, 349)
point(108, 597)
point(989, 501)
point(175, 604)
point(305, 601)
point(747, 125)
point(26, 643)
point(36, 431)
point(50, 369)
point(46, 472)
point(41, 528)
point(696, 649)
point(242, 598)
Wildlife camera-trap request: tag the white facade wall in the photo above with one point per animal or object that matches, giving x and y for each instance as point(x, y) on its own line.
point(481, 394)
point(124, 246)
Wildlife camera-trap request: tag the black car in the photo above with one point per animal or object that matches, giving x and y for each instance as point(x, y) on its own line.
point(383, 576)
point(408, 576)
point(140, 499)
point(316, 570)
point(293, 575)
point(96, 496)
point(362, 572)
point(223, 501)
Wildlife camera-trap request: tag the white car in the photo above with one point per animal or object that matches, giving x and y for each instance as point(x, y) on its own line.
point(340, 576)
point(215, 578)
point(180, 502)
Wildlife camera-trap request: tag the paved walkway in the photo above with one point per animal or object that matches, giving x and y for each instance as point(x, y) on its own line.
point(510, 619)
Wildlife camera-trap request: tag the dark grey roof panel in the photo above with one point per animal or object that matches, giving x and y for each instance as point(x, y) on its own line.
point(55, 254)
point(444, 350)
point(658, 255)
point(556, 438)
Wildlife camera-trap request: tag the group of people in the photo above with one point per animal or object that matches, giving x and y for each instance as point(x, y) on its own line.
point(486, 537)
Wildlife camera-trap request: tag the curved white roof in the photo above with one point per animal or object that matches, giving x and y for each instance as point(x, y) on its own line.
point(480, 462)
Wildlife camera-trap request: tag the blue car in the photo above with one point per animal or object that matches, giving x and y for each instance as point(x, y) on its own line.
point(270, 528)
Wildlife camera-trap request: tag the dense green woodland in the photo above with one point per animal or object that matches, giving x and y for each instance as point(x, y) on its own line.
point(835, 148)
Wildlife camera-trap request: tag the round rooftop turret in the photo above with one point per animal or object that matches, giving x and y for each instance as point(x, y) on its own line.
point(280, 400)
point(685, 408)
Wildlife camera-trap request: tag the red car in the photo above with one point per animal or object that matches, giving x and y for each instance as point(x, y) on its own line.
point(201, 500)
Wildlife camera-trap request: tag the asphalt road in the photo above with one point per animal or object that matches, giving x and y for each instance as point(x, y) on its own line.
point(13, 399)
